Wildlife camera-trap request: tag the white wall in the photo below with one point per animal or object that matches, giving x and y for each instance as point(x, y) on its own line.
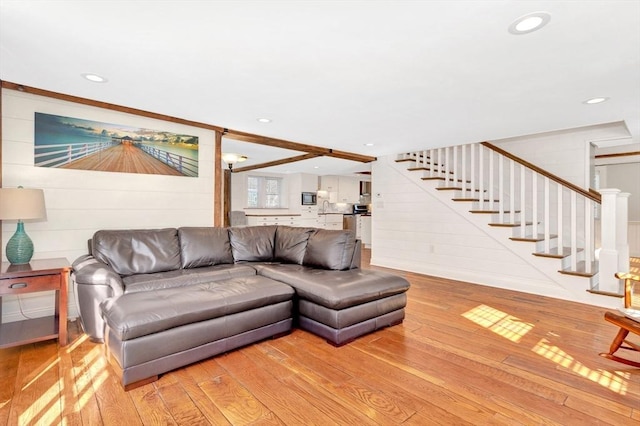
point(626, 178)
point(565, 153)
point(80, 202)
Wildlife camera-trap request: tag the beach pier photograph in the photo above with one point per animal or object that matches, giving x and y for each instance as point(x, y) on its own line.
point(73, 143)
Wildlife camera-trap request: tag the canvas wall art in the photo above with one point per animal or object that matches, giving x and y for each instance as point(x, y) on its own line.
point(74, 143)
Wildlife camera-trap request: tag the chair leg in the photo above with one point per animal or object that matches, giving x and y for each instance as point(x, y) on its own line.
point(617, 341)
point(617, 344)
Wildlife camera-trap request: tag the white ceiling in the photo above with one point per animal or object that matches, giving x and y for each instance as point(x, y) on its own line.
point(402, 75)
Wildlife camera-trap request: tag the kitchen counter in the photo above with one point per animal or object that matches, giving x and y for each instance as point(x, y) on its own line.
point(271, 214)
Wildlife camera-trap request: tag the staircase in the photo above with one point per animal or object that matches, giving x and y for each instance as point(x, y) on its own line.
point(553, 218)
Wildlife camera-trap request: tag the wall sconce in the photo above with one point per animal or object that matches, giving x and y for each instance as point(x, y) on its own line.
point(21, 204)
point(230, 158)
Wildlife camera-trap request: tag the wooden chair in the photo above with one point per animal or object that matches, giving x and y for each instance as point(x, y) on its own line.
point(631, 301)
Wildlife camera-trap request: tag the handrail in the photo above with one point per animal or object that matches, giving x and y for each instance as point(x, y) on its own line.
point(592, 195)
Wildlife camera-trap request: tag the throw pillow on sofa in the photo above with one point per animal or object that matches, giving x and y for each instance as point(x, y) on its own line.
point(330, 249)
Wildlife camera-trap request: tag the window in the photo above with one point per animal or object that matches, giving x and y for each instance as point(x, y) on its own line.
point(264, 192)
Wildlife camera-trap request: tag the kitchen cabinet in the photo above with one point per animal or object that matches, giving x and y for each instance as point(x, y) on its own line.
point(330, 221)
point(365, 231)
point(308, 216)
point(309, 183)
point(290, 220)
point(347, 189)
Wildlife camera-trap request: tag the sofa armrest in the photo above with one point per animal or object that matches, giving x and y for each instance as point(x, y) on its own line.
point(95, 282)
point(89, 271)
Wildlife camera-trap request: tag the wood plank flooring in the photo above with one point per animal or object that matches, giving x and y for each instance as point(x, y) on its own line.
point(465, 355)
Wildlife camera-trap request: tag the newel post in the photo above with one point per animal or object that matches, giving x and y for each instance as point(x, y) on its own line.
point(622, 231)
point(608, 262)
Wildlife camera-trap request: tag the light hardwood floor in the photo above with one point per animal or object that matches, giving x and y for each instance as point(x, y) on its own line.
point(465, 354)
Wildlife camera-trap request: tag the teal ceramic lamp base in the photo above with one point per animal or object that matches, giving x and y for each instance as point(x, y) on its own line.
point(20, 247)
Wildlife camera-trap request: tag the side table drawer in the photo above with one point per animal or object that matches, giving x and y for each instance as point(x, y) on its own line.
point(30, 284)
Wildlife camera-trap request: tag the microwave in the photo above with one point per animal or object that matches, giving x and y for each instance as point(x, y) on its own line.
point(309, 199)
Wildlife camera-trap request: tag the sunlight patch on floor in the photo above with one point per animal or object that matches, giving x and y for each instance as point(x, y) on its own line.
point(499, 322)
point(49, 366)
point(615, 381)
point(47, 408)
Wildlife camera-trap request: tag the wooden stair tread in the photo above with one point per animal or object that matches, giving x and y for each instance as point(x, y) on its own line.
point(426, 169)
point(580, 270)
point(555, 253)
point(455, 188)
point(532, 238)
point(491, 211)
point(510, 224)
point(473, 199)
point(605, 293)
point(441, 178)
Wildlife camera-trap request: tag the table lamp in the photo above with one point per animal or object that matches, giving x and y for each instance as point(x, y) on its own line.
point(21, 204)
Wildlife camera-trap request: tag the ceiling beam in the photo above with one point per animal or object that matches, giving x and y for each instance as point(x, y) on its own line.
point(105, 105)
point(276, 143)
point(295, 146)
point(231, 134)
point(276, 162)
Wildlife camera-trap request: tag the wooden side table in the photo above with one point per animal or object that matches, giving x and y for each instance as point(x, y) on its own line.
point(38, 275)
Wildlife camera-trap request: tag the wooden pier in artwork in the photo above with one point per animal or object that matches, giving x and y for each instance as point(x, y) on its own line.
point(124, 157)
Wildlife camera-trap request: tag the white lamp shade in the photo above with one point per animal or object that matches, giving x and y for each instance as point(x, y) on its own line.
point(22, 204)
point(232, 158)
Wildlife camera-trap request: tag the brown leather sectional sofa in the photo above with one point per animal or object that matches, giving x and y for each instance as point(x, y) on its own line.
point(164, 298)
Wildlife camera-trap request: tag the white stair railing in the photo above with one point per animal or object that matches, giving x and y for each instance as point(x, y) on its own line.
point(539, 205)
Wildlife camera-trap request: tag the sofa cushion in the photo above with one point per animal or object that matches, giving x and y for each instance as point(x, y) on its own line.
point(204, 246)
point(252, 243)
point(185, 277)
point(138, 251)
point(291, 244)
point(139, 314)
point(330, 249)
point(335, 289)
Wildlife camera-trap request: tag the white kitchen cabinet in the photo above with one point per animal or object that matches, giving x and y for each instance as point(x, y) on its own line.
point(309, 183)
point(330, 221)
point(345, 188)
point(273, 220)
point(365, 230)
point(348, 190)
point(308, 216)
point(329, 183)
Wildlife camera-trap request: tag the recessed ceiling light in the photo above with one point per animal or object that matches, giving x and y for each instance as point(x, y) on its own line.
point(368, 144)
point(94, 78)
point(264, 120)
point(316, 167)
point(529, 23)
point(593, 101)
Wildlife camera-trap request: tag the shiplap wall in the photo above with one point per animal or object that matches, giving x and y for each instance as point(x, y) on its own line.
point(80, 202)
